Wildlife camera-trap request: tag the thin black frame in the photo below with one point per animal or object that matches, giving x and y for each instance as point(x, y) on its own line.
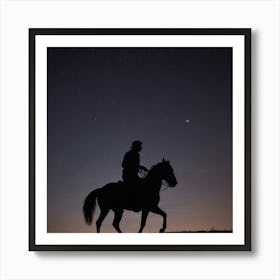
point(246, 32)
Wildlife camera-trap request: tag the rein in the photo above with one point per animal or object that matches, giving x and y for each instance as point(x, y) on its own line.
point(164, 184)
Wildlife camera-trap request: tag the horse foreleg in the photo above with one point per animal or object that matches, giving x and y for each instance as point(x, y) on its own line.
point(143, 220)
point(157, 210)
point(117, 219)
point(102, 216)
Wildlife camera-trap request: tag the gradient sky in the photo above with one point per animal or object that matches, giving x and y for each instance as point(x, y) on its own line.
point(177, 101)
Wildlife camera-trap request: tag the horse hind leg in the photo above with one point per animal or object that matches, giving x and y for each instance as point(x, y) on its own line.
point(143, 220)
point(157, 210)
point(117, 219)
point(100, 219)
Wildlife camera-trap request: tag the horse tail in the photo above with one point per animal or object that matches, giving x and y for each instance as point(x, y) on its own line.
point(89, 206)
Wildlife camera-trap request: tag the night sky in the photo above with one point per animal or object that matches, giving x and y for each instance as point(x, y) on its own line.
point(177, 101)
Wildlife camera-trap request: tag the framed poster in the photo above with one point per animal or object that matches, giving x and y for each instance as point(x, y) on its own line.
point(141, 131)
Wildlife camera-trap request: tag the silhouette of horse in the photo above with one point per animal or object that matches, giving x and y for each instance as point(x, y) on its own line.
point(117, 197)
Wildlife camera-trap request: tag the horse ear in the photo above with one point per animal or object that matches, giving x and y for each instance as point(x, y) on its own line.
point(163, 160)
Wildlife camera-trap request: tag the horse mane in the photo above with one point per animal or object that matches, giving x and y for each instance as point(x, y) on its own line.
point(154, 168)
point(158, 164)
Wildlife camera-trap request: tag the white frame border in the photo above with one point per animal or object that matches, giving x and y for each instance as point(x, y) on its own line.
point(237, 42)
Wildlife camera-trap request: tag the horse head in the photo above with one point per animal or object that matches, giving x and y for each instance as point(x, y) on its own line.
point(168, 173)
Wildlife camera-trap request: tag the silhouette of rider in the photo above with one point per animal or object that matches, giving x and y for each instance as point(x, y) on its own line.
point(131, 164)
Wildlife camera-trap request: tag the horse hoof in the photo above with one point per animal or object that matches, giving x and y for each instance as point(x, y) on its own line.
point(162, 230)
